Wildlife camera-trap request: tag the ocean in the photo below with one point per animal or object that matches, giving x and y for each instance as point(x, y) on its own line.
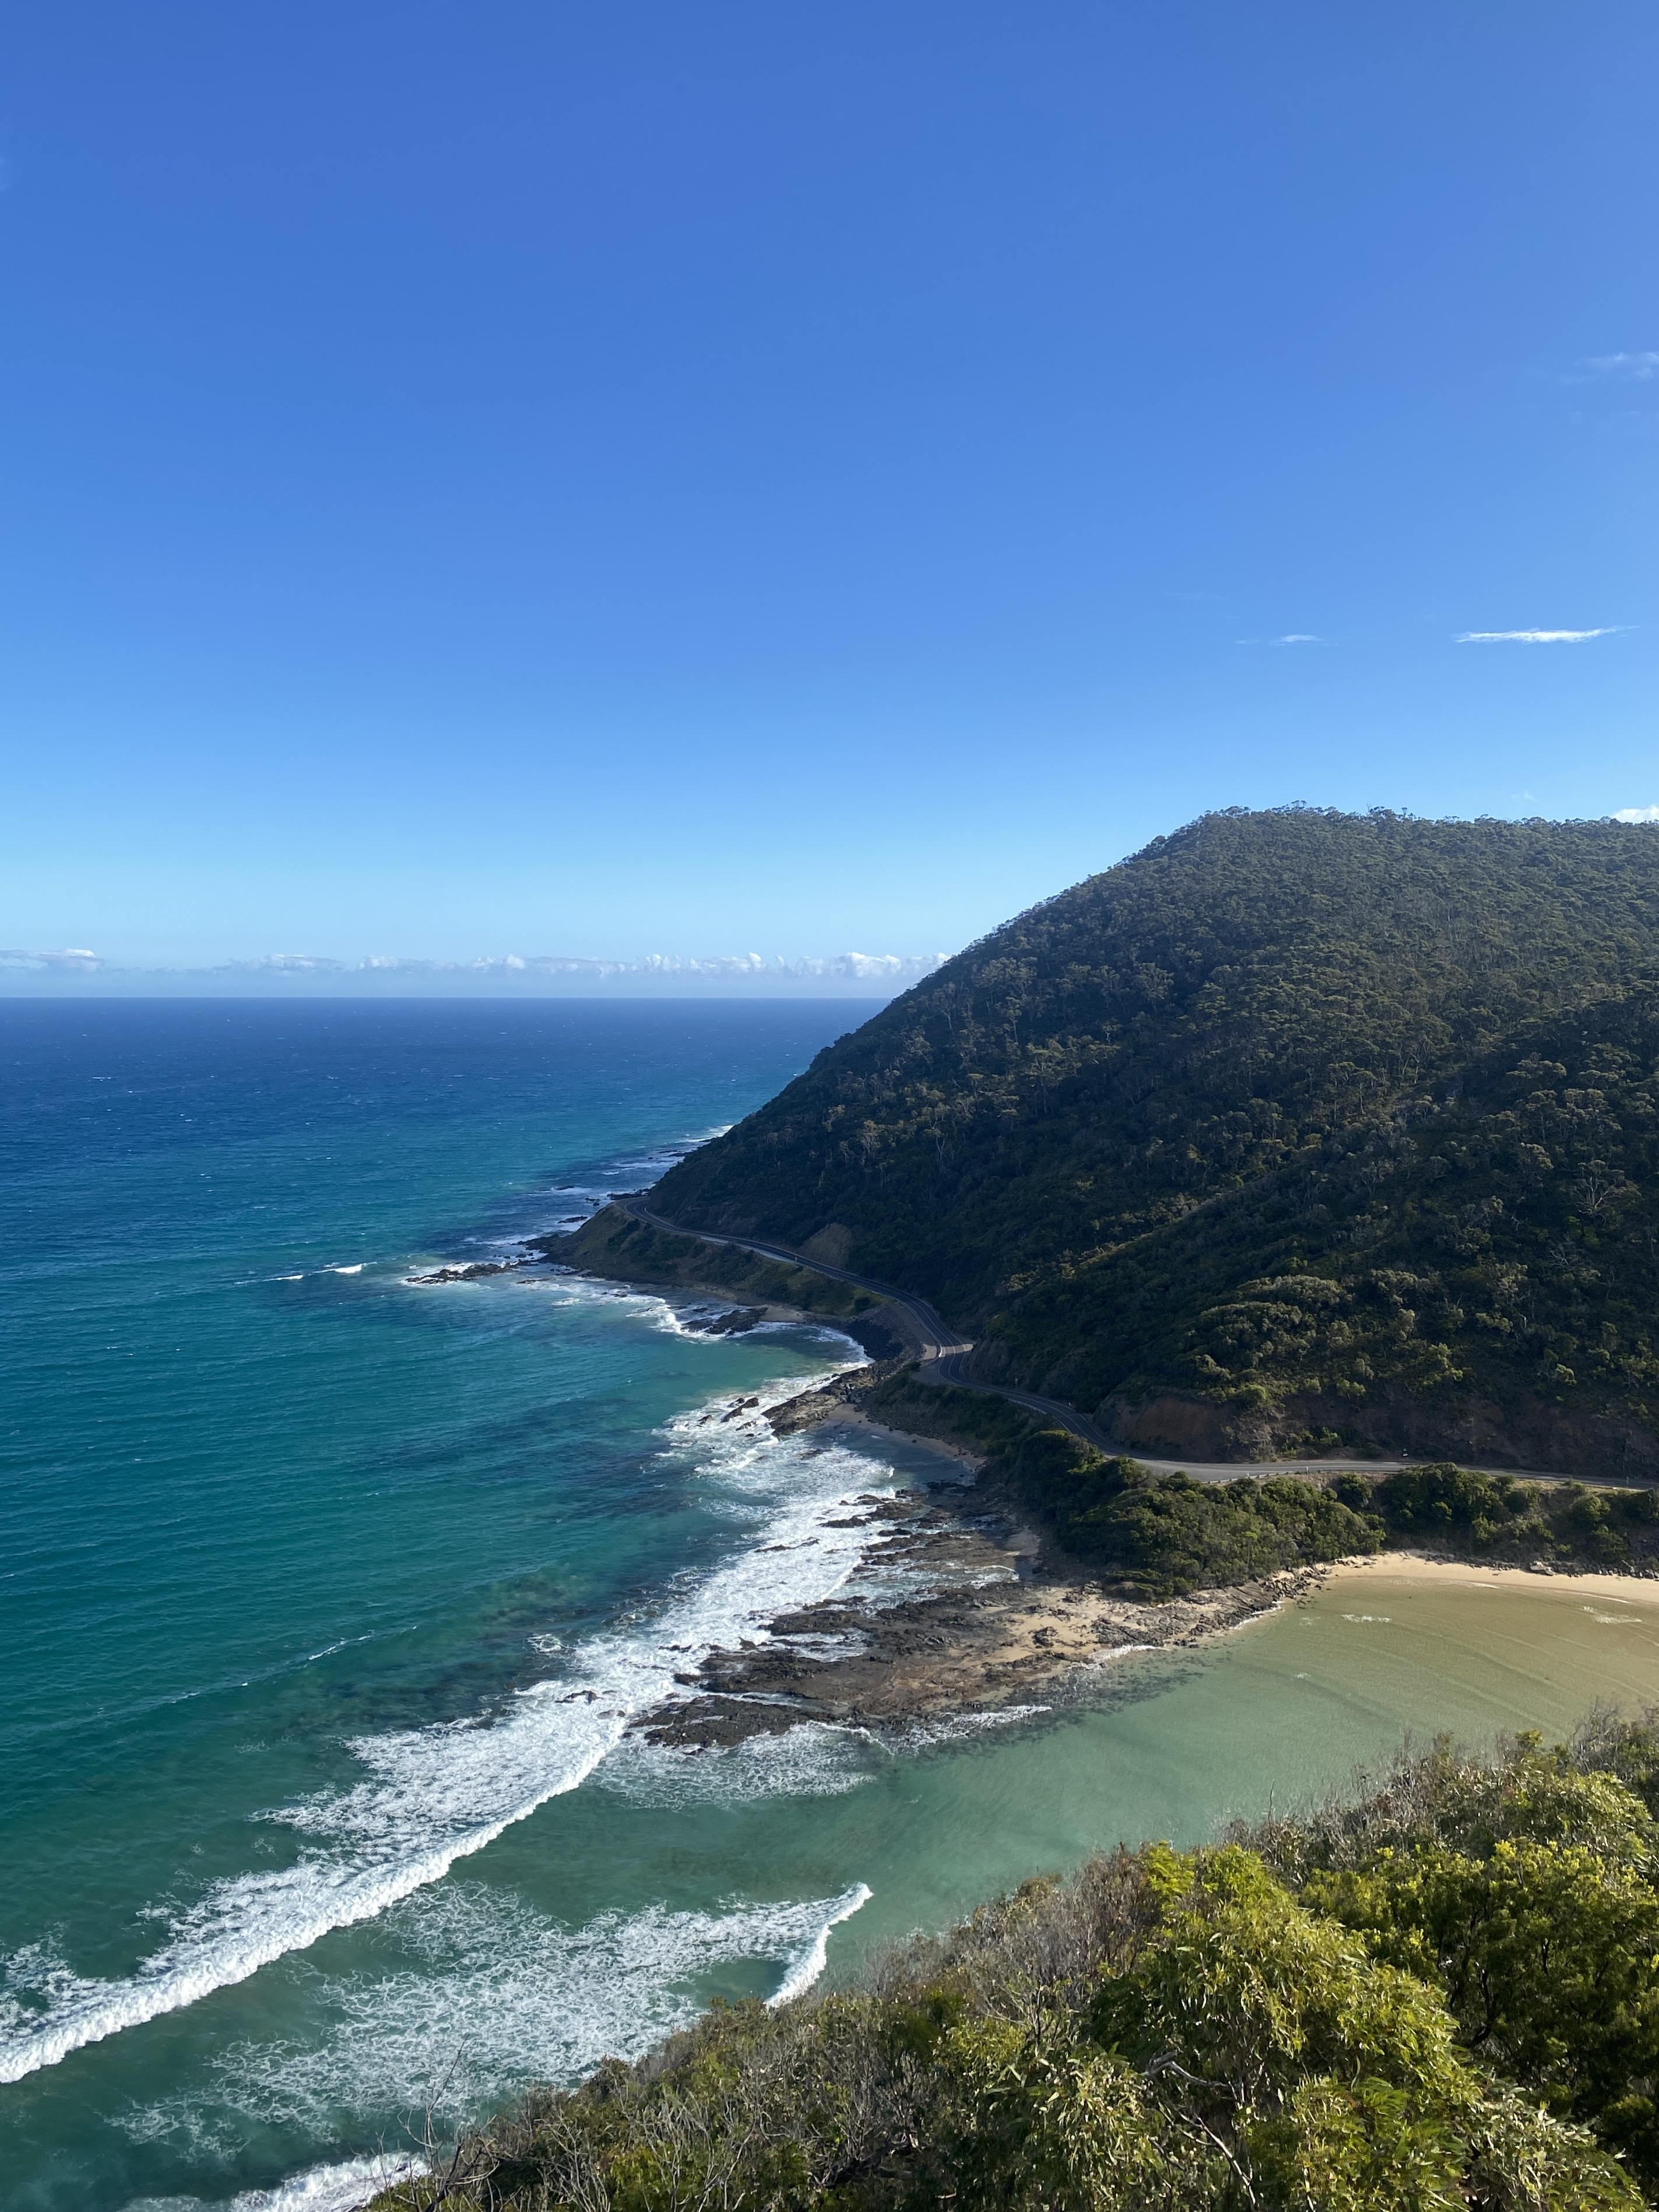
point(328, 1599)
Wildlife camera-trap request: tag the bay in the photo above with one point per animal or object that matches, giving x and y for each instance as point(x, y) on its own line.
point(327, 1598)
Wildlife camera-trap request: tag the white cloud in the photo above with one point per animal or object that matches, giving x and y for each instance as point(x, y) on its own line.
point(1642, 366)
point(1637, 814)
point(653, 974)
point(1532, 636)
point(1299, 637)
point(894, 967)
point(75, 958)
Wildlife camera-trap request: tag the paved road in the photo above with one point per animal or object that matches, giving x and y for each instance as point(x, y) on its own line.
point(941, 1353)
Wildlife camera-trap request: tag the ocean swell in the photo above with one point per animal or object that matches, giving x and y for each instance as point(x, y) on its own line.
point(502, 1998)
point(433, 1795)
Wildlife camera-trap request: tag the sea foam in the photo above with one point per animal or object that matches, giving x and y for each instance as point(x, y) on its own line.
point(503, 1998)
point(430, 1796)
point(340, 2187)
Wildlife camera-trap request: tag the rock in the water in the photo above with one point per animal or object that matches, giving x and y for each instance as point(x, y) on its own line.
point(470, 1273)
point(727, 1324)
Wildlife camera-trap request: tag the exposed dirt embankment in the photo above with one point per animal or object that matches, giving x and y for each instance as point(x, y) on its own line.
point(1523, 1430)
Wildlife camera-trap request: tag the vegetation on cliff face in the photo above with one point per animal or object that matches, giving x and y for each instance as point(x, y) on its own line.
point(1163, 1536)
point(613, 1243)
point(1443, 1996)
point(1337, 1126)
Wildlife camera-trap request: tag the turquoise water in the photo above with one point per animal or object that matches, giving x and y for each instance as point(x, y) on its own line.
point(327, 1600)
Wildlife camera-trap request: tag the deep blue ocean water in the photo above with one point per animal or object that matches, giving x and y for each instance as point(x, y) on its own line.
point(326, 1599)
point(293, 1553)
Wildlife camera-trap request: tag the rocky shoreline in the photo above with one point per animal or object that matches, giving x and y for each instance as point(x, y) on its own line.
point(996, 1616)
point(999, 1617)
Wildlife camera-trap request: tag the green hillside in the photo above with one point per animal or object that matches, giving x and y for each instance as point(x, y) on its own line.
point(1294, 1126)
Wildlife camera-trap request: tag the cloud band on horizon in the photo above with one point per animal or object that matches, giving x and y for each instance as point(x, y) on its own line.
point(895, 967)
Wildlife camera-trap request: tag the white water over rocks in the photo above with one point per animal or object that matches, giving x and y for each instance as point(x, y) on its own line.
point(432, 1795)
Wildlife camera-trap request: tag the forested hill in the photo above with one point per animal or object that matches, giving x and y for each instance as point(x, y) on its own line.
point(1295, 1124)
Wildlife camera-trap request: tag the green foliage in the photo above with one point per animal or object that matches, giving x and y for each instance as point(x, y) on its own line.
point(1496, 1514)
point(1541, 1924)
point(1161, 1536)
point(613, 1243)
point(1341, 2078)
point(975, 1418)
point(1444, 1503)
point(1626, 1749)
point(1313, 1117)
point(1166, 1535)
point(1548, 1955)
point(1032, 2120)
point(1441, 1995)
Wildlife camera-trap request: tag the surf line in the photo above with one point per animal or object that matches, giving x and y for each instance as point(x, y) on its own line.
point(797, 1983)
point(561, 1733)
point(183, 1972)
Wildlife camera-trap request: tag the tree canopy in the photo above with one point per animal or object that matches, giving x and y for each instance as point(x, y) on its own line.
point(1303, 1116)
point(1442, 1994)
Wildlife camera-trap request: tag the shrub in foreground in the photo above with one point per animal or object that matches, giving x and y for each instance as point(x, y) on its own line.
point(1440, 1994)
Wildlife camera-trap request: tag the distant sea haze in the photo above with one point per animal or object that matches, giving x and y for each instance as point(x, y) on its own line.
point(78, 970)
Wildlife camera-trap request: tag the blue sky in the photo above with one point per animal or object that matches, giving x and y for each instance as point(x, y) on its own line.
point(499, 478)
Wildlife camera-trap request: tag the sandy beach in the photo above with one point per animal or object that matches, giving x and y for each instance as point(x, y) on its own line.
point(1001, 1616)
point(1417, 1570)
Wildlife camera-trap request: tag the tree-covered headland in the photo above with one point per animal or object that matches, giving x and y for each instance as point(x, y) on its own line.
point(1441, 1994)
point(1296, 1129)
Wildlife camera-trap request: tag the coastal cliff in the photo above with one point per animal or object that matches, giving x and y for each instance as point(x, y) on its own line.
point(1297, 1134)
point(1296, 1131)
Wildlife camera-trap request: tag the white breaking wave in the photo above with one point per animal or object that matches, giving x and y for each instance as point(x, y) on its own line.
point(961, 1728)
point(814, 1759)
point(503, 1998)
point(802, 1975)
point(341, 2188)
point(338, 2188)
point(434, 1795)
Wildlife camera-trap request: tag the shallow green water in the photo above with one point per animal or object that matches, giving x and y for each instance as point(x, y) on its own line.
point(328, 1600)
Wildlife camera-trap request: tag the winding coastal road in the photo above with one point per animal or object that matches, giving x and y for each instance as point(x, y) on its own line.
point(941, 1353)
